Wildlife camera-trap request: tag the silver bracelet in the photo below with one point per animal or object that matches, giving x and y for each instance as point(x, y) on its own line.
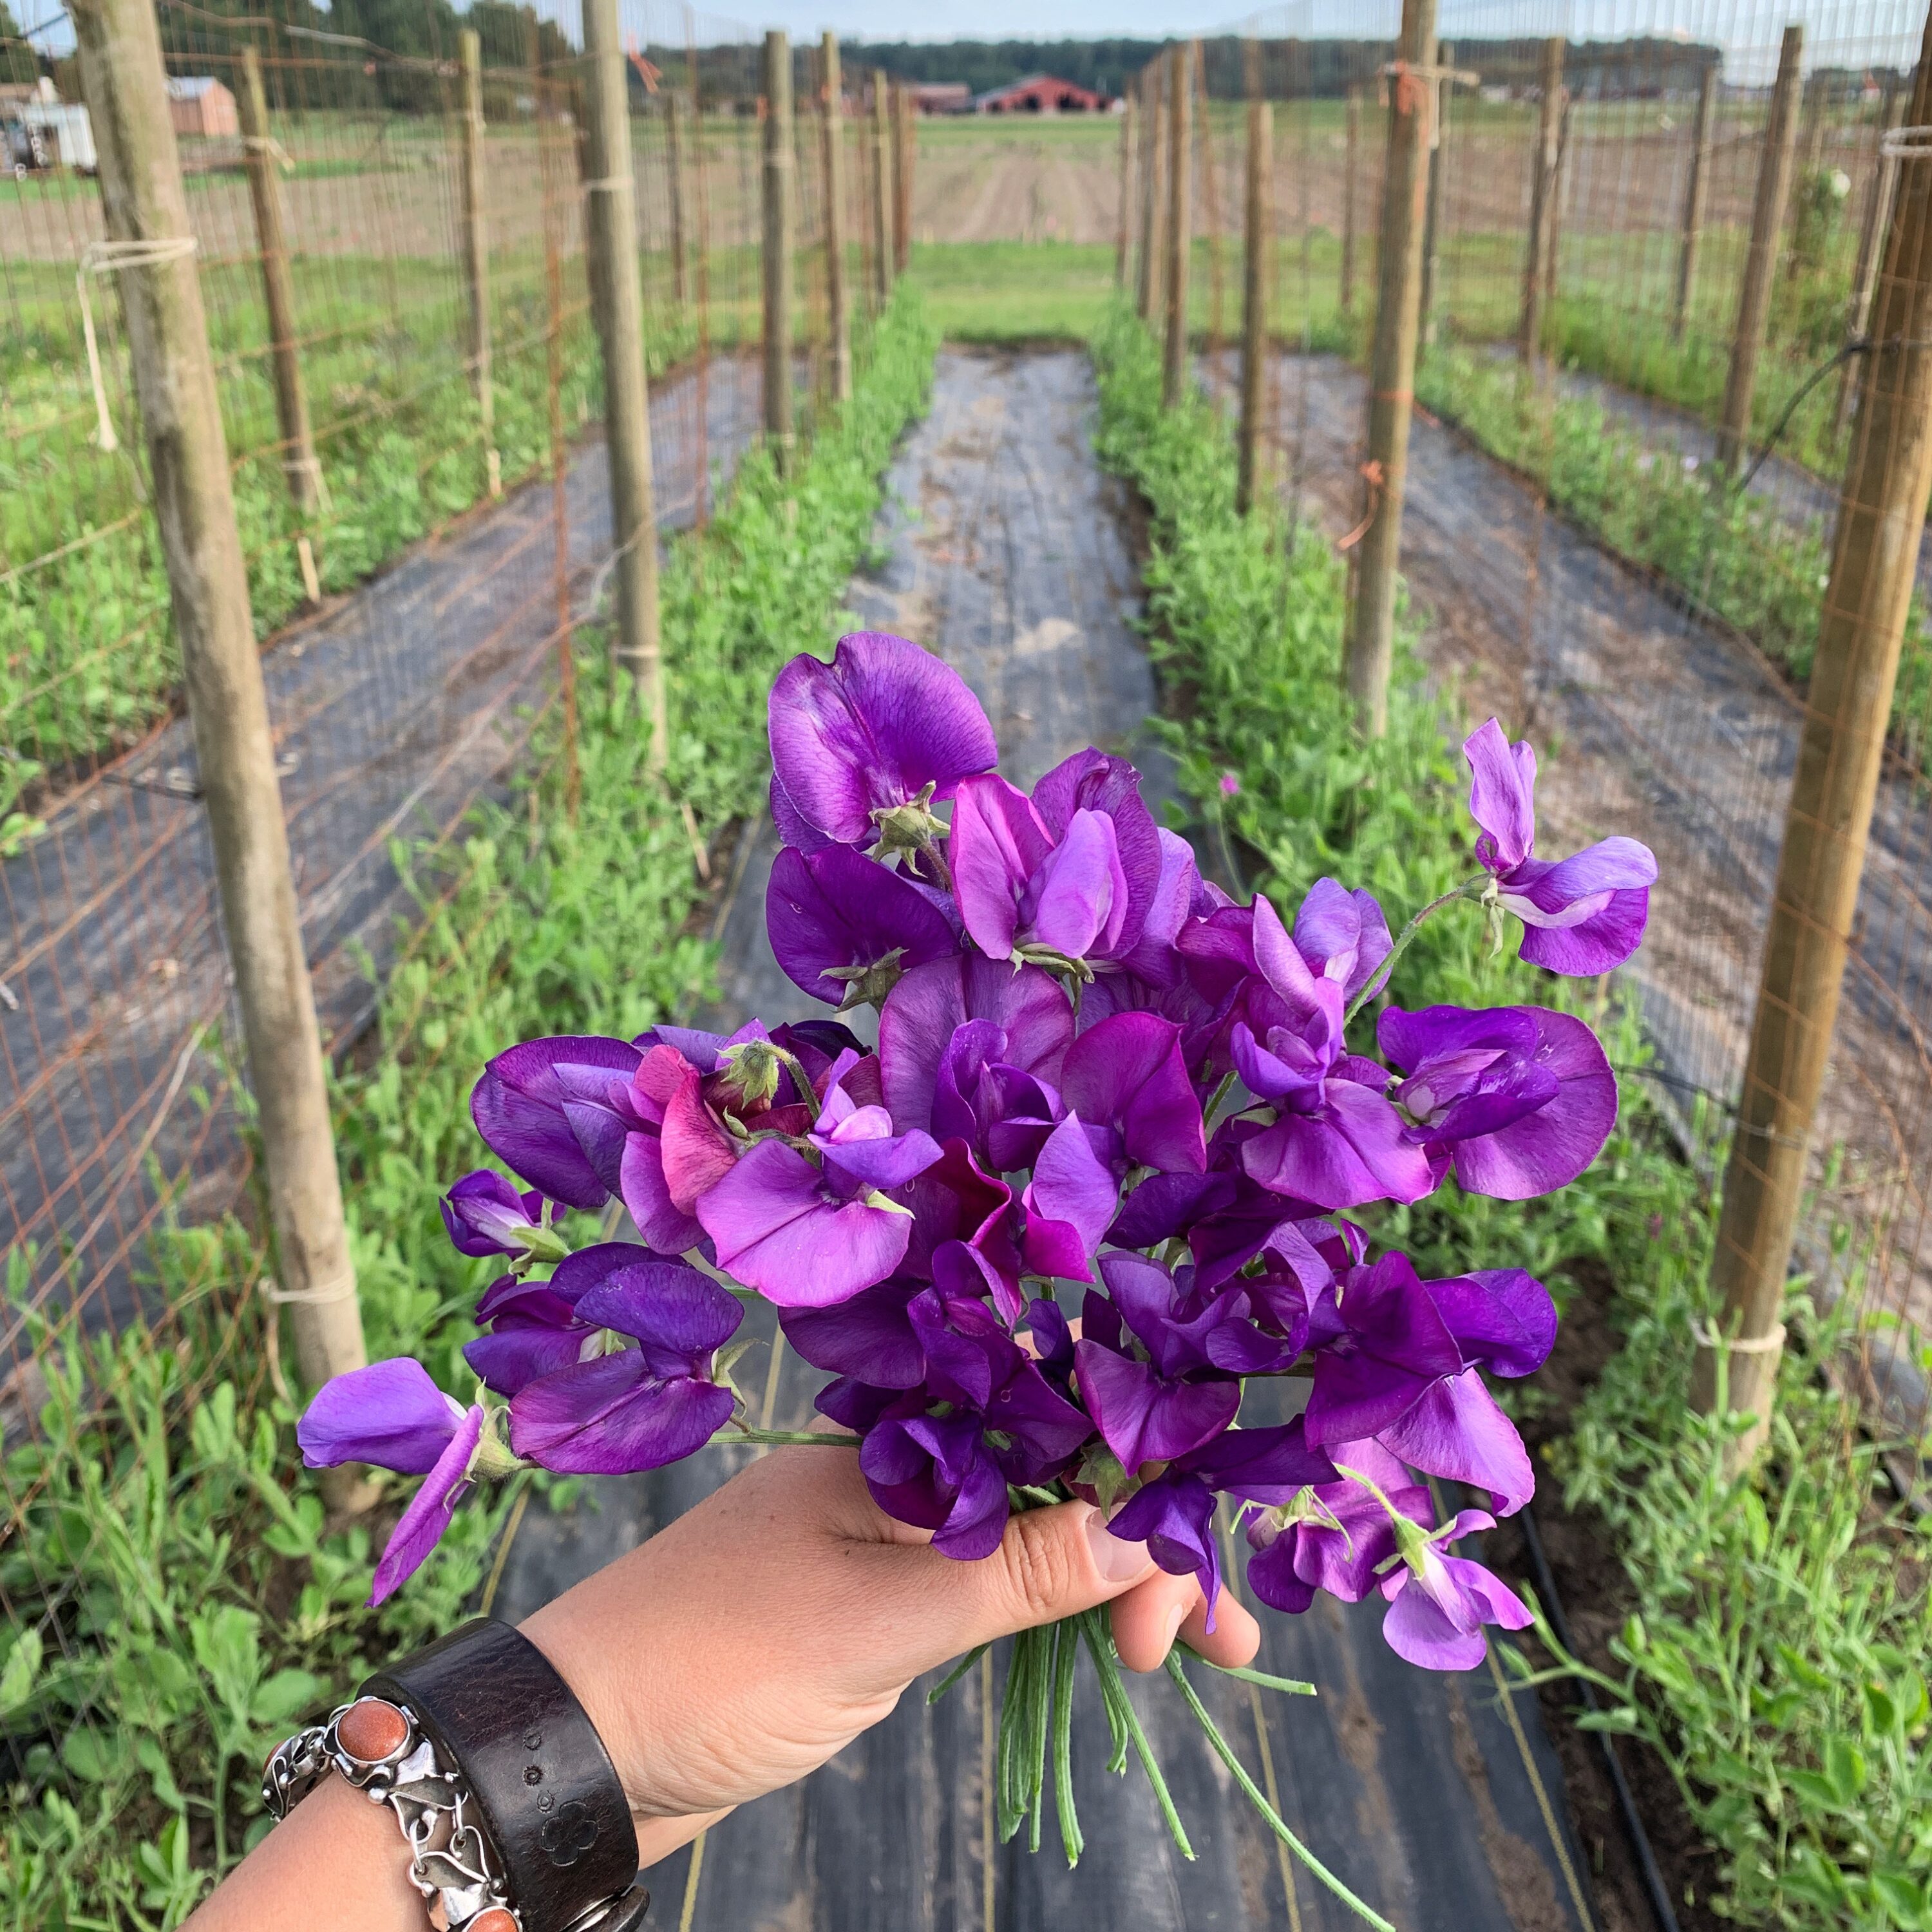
point(381, 1749)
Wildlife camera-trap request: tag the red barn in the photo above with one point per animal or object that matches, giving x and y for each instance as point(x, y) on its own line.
point(1039, 93)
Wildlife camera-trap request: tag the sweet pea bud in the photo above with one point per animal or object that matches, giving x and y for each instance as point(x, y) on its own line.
point(1101, 1471)
point(909, 827)
point(493, 1459)
point(750, 1075)
point(542, 1242)
point(868, 985)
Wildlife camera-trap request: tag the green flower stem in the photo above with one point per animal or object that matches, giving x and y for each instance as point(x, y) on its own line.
point(958, 1671)
point(1293, 1686)
point(1066, 1655)
point(799, 1438)
point(1100, 1647)
point(1380, 978)
point(1225, 1753)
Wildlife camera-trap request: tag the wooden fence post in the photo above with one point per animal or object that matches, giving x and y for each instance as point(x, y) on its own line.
point(1848, 707)
point(1542, 204)
point(1431, 223)
point(1370, 643)
point(1257, 266)
point(301, 468)
point(777, 244)
point(145, 208)
point(1774, 191)
point(882, 187)
point(1152, 77)
point(476, 249)
point(1351, 166)
point(903, 156)
point(1122, 227)
point(1697, 196)
point(1871, 234)
point(680, 267)
point(1180, 222)
point(616, 299)
point(838, 321)
point(701, 198)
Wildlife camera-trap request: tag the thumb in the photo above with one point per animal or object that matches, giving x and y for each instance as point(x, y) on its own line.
point(1051, 1564)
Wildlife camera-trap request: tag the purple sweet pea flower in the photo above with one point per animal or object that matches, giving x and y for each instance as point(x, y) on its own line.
point(1128, 1076)
point(927, 1008)
point(642, 1407)
point(866, 734)
point(1455, 1430)
point(534, 1327)
point(1173, 1514)
point(1070, 1202)
point(1582, 915)
point(1337, 1141)
point(556, 1111)
point(391, 1415)
point(1335, 1535)
point(485, 1214)
point(1439, 1603)
point(844, 929)
point(1001, 1111)
point(1519, 1099)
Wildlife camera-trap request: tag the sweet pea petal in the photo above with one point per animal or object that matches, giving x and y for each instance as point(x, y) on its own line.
point(421, 1526)
point(612, 1416)
point(1128, 1073)
point(838, 910)
point(1502, 796)
point(390, 1414)
point(1455, 1430)
point(518, 1107)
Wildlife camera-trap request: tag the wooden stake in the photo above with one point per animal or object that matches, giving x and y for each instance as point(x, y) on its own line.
point(1697, 196)
point(680, 270)
point(1552, 256)
point(1211, 212)
point(839, 322)
point(777, 247)
point(1370, 646)
point(143, 201)
point(1774, 191)
point(1542, 204)
point(616, 299)
point(1122, 224)
point(1871, 231)
point(1431, 224)
point(476, 249)
point(700, 461)
point(1351, 166)
point(882, 187)
point(1179, 224)
point(1848, 707)
point(300, 469)
point(1152, 77)
point(1257, 265)
point(902, 166)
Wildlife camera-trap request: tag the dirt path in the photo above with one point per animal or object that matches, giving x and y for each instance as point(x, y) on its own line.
point(1006, 552)
point(1681, 734)
point(392, 711)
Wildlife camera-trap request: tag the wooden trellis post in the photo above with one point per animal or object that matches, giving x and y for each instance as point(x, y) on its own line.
point(1774, 192)
point(1257, 266)
point(777, 244)
point(152, 246)
point(1542, 204)
point(1431, 224)
point(1697, 196)
point(1152, 75)
point(1180, 222)
point(476, 249)
point(882, 188)
point(300, 465)
point(1871, 234)
point(1351, 167)
point(1847, 711)
point(838, 322)
point(903, 158)
point(616, 299)
point(680, 267)
point(1370, 644)
point(1122, 227)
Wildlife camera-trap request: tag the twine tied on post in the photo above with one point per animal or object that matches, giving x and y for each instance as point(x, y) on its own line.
point(103, 258)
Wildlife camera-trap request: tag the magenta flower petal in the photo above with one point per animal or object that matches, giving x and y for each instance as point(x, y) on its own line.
point(1455, 1430)
point(1075, 904)
point(838, 913)
point(519, 1109)
point(1502, 1319)
point(613, 1416)
point(1354, 1150)
point(523, 1347)
point(679, 1314)
point(1128, 1073)
point(484, 1214)
point(1174, 1516)
point(871, 729)
point(1142, 1416)
point(645, 1190)
point(869, 1335)
point(1502, 796)
point(996, 844)
point(1394, 1344)
point(1092, 780)
point(1073, 1187)
point(1343, 935)
point(390, 1414)
point(421, 1526)
point(778, 1230)
point(926, 1008)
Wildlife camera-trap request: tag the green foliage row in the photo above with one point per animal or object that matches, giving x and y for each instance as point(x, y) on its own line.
point(176, 1597)
point(1736, 554)
point(1775, 1652)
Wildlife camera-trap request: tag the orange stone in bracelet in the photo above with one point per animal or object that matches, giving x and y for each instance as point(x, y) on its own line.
point(370, 1730)
point(495, 1920)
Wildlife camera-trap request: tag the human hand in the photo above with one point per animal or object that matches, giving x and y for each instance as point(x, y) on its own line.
point(751, 1640)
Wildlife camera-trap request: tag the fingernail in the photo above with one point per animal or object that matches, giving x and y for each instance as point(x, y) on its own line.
point(1117, 1560)
point(1176, 1617)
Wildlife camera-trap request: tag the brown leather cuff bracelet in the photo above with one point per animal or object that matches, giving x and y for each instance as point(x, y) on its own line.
point(513, 1810)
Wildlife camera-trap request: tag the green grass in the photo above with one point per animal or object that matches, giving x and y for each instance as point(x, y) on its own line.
point(176, 1600)
point(1776, 1651)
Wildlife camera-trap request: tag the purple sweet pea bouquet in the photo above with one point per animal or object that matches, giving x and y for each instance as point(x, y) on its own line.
point(1097, 1076)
